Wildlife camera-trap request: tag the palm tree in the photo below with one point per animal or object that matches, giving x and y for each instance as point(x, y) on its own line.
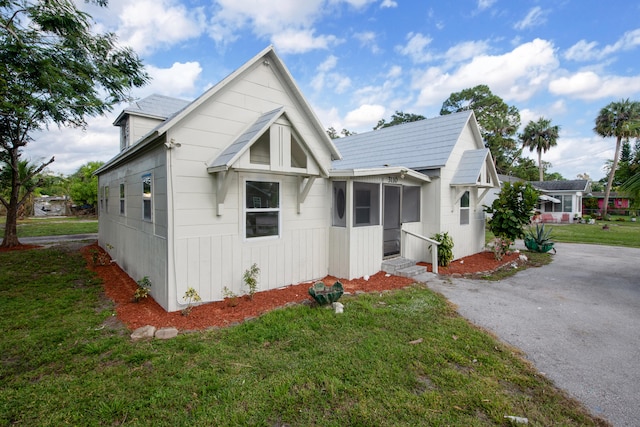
point(540, 136)
point(621, 120)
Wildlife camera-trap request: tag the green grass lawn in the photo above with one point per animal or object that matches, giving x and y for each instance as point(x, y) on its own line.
point(620, 233)
point(34, 227)
point(64, 361)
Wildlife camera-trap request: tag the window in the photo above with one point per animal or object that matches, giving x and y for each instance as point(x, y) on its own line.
point(464, 209)
point(563, 206)
point(262, 204)
point(366, 207)
point(147, 196)
point(260, 151)
point(106, 198)
point(339, 204)
point(410, 203)
point(101, 195)
point(122, 199)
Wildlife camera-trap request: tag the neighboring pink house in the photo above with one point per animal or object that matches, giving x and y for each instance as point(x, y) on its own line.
point(616, 201)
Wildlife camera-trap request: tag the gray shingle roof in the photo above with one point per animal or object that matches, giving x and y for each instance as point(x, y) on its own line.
point(470, 167)
point(158, 106)
point(425, 144)
point(240, 144)
point(569, 185)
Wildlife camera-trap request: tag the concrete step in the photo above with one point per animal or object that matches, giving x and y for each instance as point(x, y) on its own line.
point(393, 265)
point(413, 271)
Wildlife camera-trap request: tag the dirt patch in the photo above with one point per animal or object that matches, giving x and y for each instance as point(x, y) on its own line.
point(120, 288)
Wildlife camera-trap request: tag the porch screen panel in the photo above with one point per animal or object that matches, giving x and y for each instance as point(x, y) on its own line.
point(410, 203)
point(366, 204)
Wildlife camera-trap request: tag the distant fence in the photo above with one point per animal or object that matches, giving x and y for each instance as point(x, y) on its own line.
point(611, 211)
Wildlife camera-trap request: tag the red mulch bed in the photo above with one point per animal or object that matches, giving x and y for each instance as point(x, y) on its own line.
point(120, 288)
point(19, 248)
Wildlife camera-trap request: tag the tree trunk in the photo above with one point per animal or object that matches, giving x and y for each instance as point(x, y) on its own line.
point(541, 172)
point(11, 230)
point(612, 173)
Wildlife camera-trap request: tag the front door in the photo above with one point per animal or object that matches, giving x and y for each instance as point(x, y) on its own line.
point(391, 220)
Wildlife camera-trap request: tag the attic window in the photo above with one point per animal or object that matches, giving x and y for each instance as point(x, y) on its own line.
point(260, 151)
point(298, 156)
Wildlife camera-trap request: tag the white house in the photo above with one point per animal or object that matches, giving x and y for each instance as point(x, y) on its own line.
point(246, 174)
point(561, 201)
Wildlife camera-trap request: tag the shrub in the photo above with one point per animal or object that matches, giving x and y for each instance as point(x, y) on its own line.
point(445, 249)
point(501, 247)
point(142, 291)
point(512, 210)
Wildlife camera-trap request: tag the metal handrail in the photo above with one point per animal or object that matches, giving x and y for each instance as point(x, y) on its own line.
point(434, 244)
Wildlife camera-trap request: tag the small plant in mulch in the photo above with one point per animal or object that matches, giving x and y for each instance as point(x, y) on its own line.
point(100, 258)
point(501, 247)
point(190, 296)
point(230, 297)
point(250, 278)
point(142, 291)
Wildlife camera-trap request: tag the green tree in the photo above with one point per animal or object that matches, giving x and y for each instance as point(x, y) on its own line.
point(83, 187)
point(55, 70)
point(540, 136)
point(26, 176)
point(498, 122)
point(333, 133)
point(397, 119)
point(619, 119)
point(512, 210)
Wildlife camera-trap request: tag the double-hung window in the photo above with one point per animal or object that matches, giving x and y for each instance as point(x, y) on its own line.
point(464, 209)
point(147, 196)
point(262, 209)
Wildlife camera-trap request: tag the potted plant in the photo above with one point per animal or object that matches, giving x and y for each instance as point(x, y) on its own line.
point(323, 294)
point(540, 240)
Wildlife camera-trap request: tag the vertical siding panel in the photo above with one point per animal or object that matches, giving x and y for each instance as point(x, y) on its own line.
point(216, 273)
point(193, 269)
point(204, 258)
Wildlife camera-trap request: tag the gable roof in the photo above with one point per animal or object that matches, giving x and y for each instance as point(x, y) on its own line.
point(470, 168)
point(243, 142)
point(425, 144)
point(268, 57)
point(153, 106)
point(565, 185)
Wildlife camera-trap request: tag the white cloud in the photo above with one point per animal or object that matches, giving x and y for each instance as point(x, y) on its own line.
point(177, 81)
point(325, 77)
point(535, 17)
point(588, 85)
point(364, 116)
point(388, 3)
point(466, 50)
point(287, 23)
point(586, 51)
point(416, 48)
point(485, 4)
point(368, 39)
point(394, 72)
point(148, 25)
point(514, 76)
point(301, 41)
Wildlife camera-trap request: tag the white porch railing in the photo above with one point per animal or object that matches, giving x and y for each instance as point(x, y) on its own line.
point(434, 247)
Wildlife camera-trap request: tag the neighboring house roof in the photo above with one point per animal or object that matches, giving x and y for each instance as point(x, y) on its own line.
point(612, 195)
point(421, 145)
point(470, 167)
point(509, 178)
point(154, 106)
point(565, 185)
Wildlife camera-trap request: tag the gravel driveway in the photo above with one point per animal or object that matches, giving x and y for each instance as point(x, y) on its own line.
point(577, 319)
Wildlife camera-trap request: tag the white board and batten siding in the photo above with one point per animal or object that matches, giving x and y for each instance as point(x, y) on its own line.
point(137, 245)
point(468, 239)
point(214, 253)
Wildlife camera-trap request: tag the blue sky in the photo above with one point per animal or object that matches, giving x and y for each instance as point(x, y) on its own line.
point(357, 61)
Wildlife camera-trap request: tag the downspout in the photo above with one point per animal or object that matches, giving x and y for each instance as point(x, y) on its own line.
point(172, 278)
